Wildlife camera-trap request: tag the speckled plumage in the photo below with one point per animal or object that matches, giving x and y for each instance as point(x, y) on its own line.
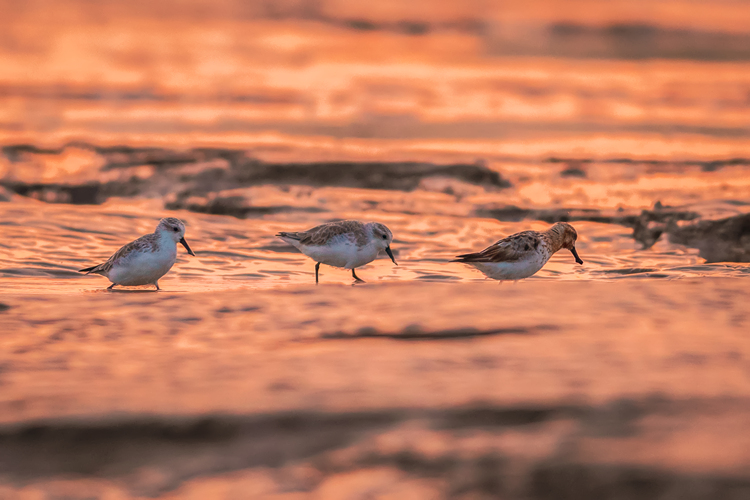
point(321, 235)
point(522, 254)
point(348, 244)
point(146, 243)
point(145, 260)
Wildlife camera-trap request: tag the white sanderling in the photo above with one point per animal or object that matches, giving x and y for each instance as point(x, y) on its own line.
point(145, 260)
point(522, 254)
point(348, 244)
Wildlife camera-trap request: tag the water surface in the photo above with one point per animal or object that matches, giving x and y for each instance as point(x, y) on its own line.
point(454, 125)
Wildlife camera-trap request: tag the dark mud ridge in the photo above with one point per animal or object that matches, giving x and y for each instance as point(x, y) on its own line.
point(415, 333)
point(622, 41)
point(723, 240)
point(198, 172)
point(574, 166)
point(581, 452)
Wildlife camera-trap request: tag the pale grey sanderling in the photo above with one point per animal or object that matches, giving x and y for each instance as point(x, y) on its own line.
point(348, 244)
point(145, 260)
point(522, 254)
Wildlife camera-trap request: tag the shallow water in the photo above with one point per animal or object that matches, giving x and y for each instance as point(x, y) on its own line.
point(46, 244)
point(414, 389)
point(454, 125)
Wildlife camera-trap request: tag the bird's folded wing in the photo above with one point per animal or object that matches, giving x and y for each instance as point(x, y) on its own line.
point(320, 235)
point(510, 249)
point(148, 242)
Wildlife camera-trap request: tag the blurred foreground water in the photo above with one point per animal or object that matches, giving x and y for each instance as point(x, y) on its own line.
point(453, 124)
point(542, 389)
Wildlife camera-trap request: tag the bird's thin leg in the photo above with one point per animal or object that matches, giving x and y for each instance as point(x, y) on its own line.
point(110, 287)
point(156, 284)
point(354, 275)
point(317, 266)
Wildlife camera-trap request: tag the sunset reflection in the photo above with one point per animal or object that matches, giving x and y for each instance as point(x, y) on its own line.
point(455, 124)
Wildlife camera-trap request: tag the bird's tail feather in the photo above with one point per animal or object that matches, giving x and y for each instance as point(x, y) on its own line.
point(291, 236)
point(89, 270)
point(467, 257)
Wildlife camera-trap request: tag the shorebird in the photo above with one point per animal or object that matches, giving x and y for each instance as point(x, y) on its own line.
point(348, 244)
point(522, 254)
point(145, 260)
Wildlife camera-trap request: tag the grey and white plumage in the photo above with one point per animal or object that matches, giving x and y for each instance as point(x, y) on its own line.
point(145, 260)
point(348, 244)
point(521, 255)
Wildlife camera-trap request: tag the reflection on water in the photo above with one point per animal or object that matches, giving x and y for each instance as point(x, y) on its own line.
point(47, 243)
point(501, 389)
point(455, 124)
point(631, 216)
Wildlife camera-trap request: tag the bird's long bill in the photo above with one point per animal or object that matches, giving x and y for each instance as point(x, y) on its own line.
point(187, 247)
point(390, 254)
point(575, 254)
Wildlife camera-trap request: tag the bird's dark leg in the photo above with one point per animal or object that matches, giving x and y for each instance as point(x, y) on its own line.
point(354, 275)
point(156, 284)
point(317, 266)
point(110, 287)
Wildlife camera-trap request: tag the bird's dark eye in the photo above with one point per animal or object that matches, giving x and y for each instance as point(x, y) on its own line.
point(176, 229)
point(384, 237)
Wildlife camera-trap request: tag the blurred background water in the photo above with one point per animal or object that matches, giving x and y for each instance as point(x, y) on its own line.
point(455, 124)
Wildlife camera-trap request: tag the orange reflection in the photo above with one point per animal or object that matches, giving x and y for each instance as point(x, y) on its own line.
point(242, 379)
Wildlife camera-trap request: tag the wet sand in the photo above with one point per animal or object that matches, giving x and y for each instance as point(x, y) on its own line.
point(627, 389)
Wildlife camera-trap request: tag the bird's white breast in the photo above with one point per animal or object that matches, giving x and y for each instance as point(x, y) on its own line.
point(144, 267)
point(341, 252)
point(518, 269)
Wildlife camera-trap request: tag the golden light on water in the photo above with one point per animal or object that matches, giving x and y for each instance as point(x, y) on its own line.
point(453, 123)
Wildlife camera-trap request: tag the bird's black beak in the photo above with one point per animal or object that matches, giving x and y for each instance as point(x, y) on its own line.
point(187, 247)
point(390, 254)
point(575, 254)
